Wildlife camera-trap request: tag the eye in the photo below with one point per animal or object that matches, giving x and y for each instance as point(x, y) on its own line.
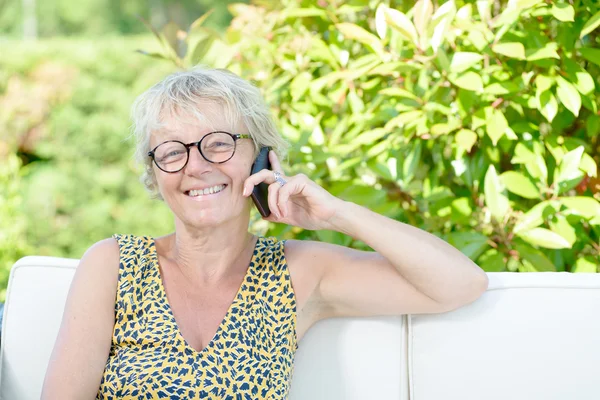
point(170, 155)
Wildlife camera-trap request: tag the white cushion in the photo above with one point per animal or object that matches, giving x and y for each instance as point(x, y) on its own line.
point(352, 359)
point(35, 299)
point(531, 336)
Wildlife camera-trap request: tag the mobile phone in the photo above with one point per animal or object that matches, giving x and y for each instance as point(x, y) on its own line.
point(260, 194)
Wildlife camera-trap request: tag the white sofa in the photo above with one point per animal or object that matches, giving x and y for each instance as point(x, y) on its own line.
point(530, 336)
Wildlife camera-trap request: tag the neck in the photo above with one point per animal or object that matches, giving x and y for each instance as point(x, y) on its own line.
point(210, 254)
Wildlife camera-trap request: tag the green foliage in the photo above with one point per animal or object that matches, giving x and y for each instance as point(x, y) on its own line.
point(12, 227)
point(105, 17)
point(66, 111)
point(478, 124)
point(477, 121)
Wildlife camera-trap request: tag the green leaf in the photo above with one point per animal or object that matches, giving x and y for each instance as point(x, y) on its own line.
point(478, 40)
point(492, 261)
point(380, 23)
point(592, 55)
point(536, 258)
point(535, 216)
point(501, 88)
point(440, 23)
point(590, 25)
point(466, 138)
point(320, 51)
point(442, 129)
point(469, 80)
point(400, 22)
point(496, 124)
point(587, 207)
point(355, 32)
point(568, 95)
point(393, 68)
point(356, 103)
point(461, 210)
point(300, 85)
point(403, 119)
point(158, 36)
point(564, 229)
point(462, 61)
point(398, 92)
point(370, 137)
point(494, 193)
point(411, 162)
point(547, 105)
point(303, 13)
point(592, 125)
point(202, 48)
point(585, 265)
point(563, 12)
point(582, 80)
point(568, 168)
point(471, 244)
point(153, 54)
point(381, 169)
point(588, 165)
point(526, 4)
point(518, 183)
point(169, 33)
point(422, 12)
point(508, 17)
point(548, 51)
point(545, 238)
point(512, 50)
point(533, 160)
point(543, 83)
point(199, 21)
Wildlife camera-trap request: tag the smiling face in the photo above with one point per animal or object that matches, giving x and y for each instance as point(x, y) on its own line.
point(188, 192)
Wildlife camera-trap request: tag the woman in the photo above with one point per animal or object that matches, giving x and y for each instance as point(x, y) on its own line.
point(212, 311)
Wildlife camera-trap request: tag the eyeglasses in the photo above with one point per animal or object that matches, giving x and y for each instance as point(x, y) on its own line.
point(216, 147)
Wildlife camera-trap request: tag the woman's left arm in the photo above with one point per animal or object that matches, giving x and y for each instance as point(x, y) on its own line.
point(410, 271)
point(433, 275)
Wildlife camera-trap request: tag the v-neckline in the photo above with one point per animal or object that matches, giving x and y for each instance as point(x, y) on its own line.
point(163, 294)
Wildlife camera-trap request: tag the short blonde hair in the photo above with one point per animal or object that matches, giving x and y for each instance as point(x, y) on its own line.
point(178, 96)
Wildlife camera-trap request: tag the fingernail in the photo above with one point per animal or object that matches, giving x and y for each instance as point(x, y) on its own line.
point(244, 191)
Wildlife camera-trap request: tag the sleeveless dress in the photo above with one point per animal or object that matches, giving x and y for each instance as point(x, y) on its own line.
point(250, 357)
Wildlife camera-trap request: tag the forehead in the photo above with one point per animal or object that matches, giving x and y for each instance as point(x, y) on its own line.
point(192, 125)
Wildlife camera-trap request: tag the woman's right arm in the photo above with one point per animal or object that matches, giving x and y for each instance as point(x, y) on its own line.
point(83, 343)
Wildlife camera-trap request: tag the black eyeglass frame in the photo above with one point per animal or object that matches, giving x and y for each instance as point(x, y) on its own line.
point(198, 144)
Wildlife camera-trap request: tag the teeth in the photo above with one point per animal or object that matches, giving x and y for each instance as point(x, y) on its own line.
point(211, 190)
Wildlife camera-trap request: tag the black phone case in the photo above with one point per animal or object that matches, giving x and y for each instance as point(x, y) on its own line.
point(260, 194)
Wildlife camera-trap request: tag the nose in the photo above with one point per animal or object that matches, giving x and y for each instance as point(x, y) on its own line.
point(197, 164)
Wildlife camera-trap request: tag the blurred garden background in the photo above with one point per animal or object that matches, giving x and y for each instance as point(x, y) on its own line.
point(474, 120)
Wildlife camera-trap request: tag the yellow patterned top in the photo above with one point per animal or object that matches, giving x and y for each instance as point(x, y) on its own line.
point(250, 357)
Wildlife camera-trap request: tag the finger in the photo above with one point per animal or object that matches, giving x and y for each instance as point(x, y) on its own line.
point(292, 187)
point(273, 199)
point(275, 164)
point(264, 175)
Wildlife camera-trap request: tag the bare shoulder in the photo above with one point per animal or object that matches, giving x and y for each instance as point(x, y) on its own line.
point(99, 265)
point(104, 248)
